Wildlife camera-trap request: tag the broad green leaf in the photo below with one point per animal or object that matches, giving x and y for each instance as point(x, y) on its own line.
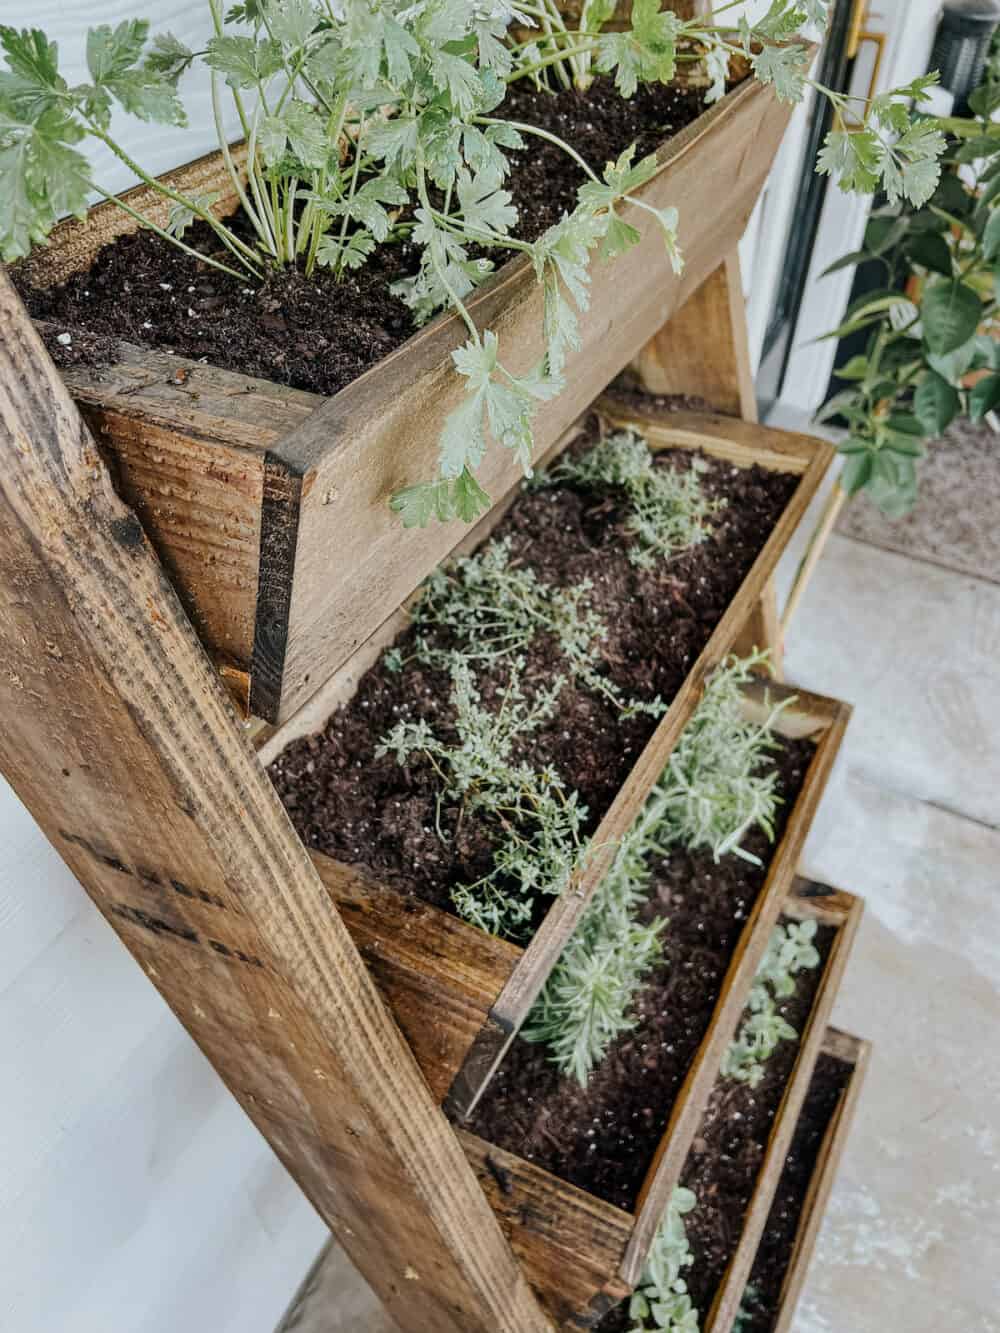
point(935, 404)
point(991, 237)
point(953, 365)
point(950, 312)
point(111, 52)
point(931, 251)
point(417, 505)
point(984, 397)
point(855, 369)
point(244, 61)
point(785, 67)
point(168, 56)
point(469, 500)
point(853, 160)
point(857, 472)
point(291, 22)
point(848, 261)
point(619, 237)
point(32, 84)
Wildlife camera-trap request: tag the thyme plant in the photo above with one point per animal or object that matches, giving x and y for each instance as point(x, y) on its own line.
point(710, 794)
point(668, 511)
point(367, 121)
point(536, 819)
point(490, 607)
point(791, 950)
point(661, 1304)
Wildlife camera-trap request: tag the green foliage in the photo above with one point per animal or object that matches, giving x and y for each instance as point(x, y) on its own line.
point(491, 608)
point(710, 794)
point(748, 1310)
point(370, 121)
point(535, 819)
point(942, 249)
point(661, 1301)
point(667, 510)
point(790, 951)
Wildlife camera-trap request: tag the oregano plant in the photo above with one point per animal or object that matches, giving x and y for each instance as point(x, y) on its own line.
point(370, 121)
point(791, 950)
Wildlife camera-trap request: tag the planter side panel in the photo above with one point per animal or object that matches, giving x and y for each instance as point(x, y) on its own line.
point(354, 564)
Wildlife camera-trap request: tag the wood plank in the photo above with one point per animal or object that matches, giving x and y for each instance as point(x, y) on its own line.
point(829, 722)
point(121, 742)
point(704, 349)
point(380, 433)
point(569, 1243)
point(852, 1051)
point(808, 900)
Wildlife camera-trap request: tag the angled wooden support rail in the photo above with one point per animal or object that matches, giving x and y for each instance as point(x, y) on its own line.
point(120, 740)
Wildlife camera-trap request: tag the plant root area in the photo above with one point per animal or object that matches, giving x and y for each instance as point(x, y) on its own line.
point(603, 1138)
point(391, 820)
point(316, 333)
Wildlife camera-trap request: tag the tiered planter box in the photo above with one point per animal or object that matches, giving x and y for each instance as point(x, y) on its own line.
point(828, 907)
point(460, 995)
point(854, 1054)
point(269, 506)
point(516, 986)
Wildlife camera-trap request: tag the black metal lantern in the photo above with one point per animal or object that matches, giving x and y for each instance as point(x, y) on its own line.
point(962, 46)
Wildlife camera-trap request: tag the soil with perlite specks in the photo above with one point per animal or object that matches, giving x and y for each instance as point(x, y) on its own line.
point(388, 818)
point(313, 332)
point(603, 1138)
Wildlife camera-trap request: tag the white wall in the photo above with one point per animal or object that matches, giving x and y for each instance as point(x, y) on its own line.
point(135, 1196)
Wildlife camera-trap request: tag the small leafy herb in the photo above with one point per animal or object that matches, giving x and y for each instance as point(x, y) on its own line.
point(536, 820)
point(368, 121)
point(493, 608)
point(667, 510)
point(790, 951)
point(711, 796)
point(661, 1301)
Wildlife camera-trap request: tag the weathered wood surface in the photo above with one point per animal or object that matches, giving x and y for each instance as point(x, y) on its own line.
point(704, 349)
point(443, 978)
point(857, 1053)
point(843, 911)
point(735, 441)
point(825, 721)
point(123, 746)
point(326, 558)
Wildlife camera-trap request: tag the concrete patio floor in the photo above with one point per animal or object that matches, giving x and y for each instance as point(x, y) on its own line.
point(912, 823)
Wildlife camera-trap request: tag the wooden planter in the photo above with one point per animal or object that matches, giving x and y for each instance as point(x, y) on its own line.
point(525, 971)
point(459, 996)
point(269, 506)
point(856, 1053)
point(828, 907)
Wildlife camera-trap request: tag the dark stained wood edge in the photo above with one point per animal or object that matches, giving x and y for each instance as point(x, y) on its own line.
point(120, 740)
point(279, 531)
point(843, 911)
point(851, 1051)
point(688, 1106)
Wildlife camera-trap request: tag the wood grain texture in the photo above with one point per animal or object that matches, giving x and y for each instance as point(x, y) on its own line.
point(737, 442)
point(123, 745)
point(704, 349)
point(856, 1053)
point(807, 901)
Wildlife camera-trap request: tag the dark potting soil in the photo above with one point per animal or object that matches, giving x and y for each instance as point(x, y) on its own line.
point(372, 812)
point(314, 333)
point(728, 1151)
point(657, 404)
point(762, 1299)
point(603, 1138)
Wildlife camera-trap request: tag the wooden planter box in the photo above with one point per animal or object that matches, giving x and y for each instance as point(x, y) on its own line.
point(856, 1053)
point(525, 971)
point(828, 907)
point(269, 506)
point(459, 996)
